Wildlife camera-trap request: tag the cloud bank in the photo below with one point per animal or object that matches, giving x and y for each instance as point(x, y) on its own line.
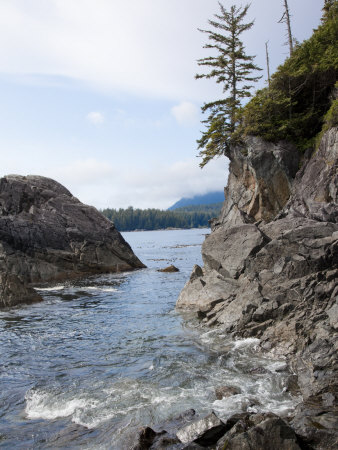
point(100, 184)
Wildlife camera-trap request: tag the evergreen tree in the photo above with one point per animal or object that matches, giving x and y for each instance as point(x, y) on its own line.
point(329, 8)
point(231, 68)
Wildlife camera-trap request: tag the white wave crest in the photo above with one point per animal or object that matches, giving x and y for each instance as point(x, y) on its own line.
point(52, 288)
point(44, 405)
point(106, 289)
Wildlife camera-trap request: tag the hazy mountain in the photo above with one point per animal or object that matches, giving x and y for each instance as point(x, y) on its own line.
point(206, 199)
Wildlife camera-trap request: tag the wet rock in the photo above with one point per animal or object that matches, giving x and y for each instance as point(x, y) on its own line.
point(258, 371)
point(169, 269)
point(145, 439)
point(14, 291)
point(316, 420)
point(203, 432)
point(268, 433)
point(46, 234)
point(292, 385)
point(226, 391)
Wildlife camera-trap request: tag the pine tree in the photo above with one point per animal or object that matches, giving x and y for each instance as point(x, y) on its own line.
point(329, 8)
point(231, 68)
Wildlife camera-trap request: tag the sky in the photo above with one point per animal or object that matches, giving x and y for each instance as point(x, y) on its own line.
point(100, 95)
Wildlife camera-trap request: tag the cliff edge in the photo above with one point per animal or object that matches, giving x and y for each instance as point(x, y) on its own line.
point(46, 234)
point(271, 269)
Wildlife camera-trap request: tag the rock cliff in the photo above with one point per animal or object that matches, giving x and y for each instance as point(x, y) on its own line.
point(271, 269)
point(46, 234)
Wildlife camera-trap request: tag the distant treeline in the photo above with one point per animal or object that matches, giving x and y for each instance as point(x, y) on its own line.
point(156, 219)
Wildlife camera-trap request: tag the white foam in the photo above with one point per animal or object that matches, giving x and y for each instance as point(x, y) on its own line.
point(55, 288)
point(107, 289)
point(43, 405)
point(248, 342)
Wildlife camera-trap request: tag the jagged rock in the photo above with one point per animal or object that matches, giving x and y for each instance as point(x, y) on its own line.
point(316, 185)
point(316, 421)
point(259, 432)
point(169, 269)
point(47, 234)
point(203, 432)
point(226, 250)
point(260, 181)
point(271, 266)
point(207, 292)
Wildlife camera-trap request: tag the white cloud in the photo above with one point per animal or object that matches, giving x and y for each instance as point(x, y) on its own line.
point(84, 173)
point(95, 117)
point(140, 46)
point(186, 113)
point(161, 186)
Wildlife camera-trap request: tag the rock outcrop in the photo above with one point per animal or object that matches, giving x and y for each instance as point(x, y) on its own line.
point(46, 234)
point(271, 269)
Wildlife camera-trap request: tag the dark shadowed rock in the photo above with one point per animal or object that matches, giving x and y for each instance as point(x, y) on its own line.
point(145, 439)
point(169, 269)
point(46, 234)
point(203, 432)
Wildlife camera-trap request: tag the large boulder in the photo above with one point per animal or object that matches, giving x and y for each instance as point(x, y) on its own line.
point(46, 234)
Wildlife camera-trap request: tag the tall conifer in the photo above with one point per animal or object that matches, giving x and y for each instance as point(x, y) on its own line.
point(231, 68)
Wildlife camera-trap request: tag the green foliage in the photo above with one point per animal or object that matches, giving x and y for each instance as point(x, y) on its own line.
point(155, 219)
point(231, 68)
point(299, 96)
point(331, 117)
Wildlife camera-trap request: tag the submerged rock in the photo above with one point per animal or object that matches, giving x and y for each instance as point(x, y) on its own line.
point(271, 265)
point(226, 391)
point(46, 234)
point(169, 269)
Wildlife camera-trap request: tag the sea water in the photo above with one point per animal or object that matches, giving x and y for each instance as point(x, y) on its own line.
point(105, 355)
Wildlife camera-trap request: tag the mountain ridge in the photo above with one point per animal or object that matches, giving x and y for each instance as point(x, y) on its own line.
point(204, 199)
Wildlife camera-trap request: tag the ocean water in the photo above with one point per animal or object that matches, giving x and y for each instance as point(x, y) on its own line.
point(105, 355)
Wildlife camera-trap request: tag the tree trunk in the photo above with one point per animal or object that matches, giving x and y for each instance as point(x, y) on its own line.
point(287, 14)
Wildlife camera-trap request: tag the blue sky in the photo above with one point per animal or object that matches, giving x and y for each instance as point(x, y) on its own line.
point(100, 94)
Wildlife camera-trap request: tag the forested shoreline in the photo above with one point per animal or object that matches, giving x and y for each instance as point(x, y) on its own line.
point(131, 219)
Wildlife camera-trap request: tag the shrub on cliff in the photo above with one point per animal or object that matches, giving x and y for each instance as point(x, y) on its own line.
point(300, 92)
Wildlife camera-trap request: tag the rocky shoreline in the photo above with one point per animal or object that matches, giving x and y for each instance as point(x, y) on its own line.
point(46, 234)
point(271, 272)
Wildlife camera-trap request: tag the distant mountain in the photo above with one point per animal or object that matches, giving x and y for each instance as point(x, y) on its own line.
point(206, 199)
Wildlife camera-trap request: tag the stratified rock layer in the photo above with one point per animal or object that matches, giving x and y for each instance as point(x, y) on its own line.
point(47, 234)
point(271, 269)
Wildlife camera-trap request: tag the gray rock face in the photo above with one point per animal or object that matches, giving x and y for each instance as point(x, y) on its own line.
point(47, 234)
point(260, 181)
point(271, 266)
point(205, 431)
point(260, 431)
